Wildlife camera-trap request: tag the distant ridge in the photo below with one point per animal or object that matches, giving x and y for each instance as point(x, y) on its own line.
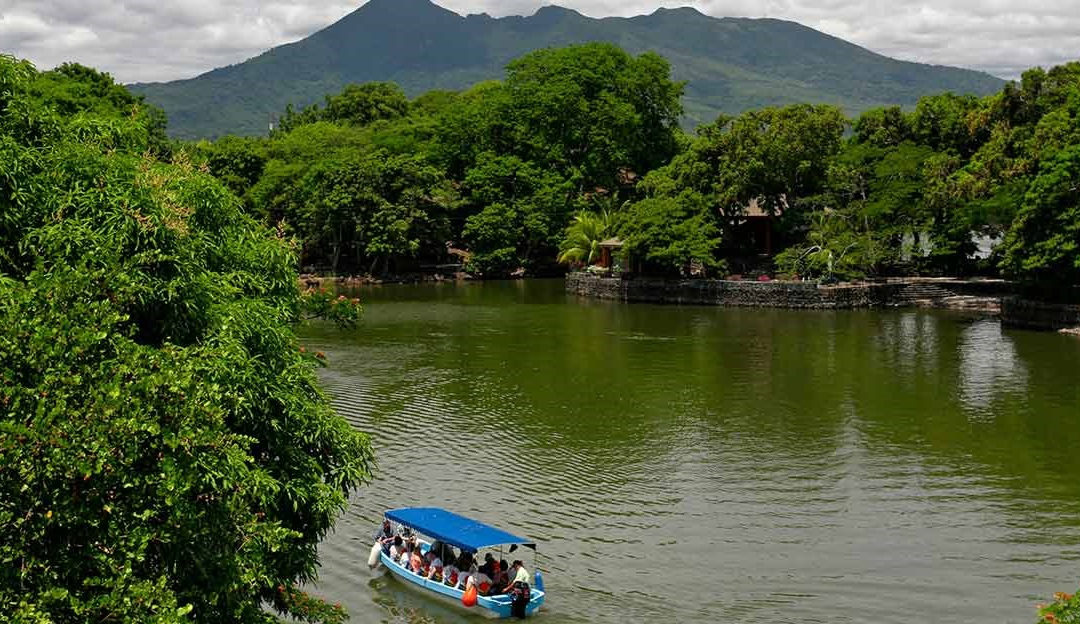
point(731, 64)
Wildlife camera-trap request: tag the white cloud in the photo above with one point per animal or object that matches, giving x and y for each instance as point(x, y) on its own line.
point(143, 40)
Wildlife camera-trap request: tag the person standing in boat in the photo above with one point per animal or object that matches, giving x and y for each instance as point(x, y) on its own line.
point(385, 536)
point(518, 589)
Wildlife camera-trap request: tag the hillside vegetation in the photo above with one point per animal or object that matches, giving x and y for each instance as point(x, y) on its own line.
point(730, 65)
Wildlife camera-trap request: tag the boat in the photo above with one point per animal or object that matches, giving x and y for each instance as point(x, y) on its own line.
point(435, 524)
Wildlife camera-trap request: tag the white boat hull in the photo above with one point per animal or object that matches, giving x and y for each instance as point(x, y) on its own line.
point(489, 606)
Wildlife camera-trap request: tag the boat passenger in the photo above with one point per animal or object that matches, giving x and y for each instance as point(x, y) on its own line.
point(489, 566)
point(456, 572)
point(416, 562)
point(396, 548)
point(450, 574)
point(502, 573)
point(385, 536)
point(434, 566)
point(481, 581)
point(467, 566)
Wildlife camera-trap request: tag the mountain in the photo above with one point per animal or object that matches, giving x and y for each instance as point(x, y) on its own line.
point(731, 64)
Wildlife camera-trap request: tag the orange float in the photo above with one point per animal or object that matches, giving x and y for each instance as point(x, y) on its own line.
point(469, 597)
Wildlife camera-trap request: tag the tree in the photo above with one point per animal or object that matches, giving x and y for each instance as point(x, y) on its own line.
point(1043, 244)
point(669, 236)
point(365, 103)
point(237, 161)
point(493, 234)
point(566, 124)
point(532, 201)
point(581, 244)
point(71, 89)
point(591, 110)
point(941, 121)
point(168, 455)
point(357, 104)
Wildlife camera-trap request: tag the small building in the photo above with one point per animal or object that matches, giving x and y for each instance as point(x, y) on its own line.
point(752, 228)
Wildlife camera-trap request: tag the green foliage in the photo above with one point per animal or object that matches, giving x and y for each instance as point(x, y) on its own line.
point(500, 169)
point(357, 104)
point(72, 89)
point(770, 155)
point(833, 251)
point(1064, 610)
point(581, 244)
point(1043, 244)
point(493, 233)
point(592, 110)
point(168, 455)
point(670, 236)
point(237, 161)
point(522, 206)
point(919, 187)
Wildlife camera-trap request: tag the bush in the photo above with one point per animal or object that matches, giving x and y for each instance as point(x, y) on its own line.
point(1064, 610)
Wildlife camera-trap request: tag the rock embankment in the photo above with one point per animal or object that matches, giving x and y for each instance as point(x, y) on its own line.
point(1028, 314)
point(982, 296)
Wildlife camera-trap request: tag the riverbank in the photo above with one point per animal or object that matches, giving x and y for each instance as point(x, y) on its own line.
point(974, 295)
point(355, 281)
point(1028, 314)
point(989, 297)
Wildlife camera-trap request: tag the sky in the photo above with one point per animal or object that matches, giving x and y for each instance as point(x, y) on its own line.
point(157, 40)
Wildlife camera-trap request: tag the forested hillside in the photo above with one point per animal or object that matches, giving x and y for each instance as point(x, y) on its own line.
point(730, 65)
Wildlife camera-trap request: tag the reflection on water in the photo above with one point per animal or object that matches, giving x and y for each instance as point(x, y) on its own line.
point(704, 464)
point(989, 366)
point(910, 337)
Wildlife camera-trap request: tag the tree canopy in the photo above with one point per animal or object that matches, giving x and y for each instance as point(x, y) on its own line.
point(498, 173)
point(371, 182)
point(168, 455)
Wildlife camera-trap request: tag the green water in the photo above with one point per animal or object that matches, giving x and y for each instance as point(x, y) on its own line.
point(705, 464)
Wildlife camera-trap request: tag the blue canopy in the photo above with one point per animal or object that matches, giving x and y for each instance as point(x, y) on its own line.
point(459, 531)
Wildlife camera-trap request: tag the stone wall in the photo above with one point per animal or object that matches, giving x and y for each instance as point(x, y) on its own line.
point(726, 293)
point(983, 296)
point(1028, 314)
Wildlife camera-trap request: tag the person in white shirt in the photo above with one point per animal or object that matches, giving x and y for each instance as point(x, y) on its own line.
point(397, 548)
point(450, 574)
point(406, 555)
point(520, 575)
point(477, 578)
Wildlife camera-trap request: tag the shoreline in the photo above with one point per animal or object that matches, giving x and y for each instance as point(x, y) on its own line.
point(312, 280)
point(989, 297)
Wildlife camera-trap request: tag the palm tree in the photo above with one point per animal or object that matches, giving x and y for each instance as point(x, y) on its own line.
point(583, 237)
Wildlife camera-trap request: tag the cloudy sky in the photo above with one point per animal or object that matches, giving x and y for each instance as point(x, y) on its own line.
point(149, 40)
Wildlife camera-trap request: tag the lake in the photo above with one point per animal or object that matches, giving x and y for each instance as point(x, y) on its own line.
point(709, 464)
